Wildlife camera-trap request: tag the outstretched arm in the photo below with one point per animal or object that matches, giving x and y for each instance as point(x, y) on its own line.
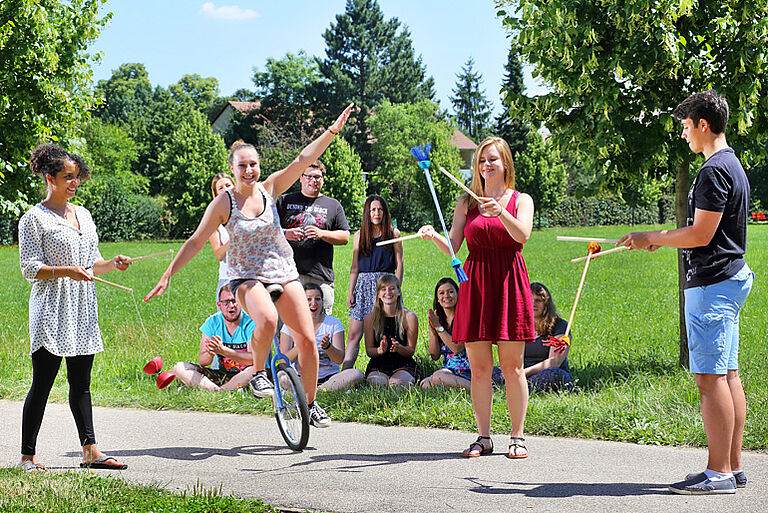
point(457, 229)
point(216, 214)
point(279, 182)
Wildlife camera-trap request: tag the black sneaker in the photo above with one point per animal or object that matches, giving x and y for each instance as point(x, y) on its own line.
point(317, 416)
point(261, 386)
point(700, 484)
point(739, 476)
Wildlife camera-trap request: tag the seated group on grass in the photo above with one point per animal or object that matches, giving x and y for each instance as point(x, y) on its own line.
point(391, 334)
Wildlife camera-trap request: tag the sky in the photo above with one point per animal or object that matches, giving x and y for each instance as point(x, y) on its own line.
point(227, 39)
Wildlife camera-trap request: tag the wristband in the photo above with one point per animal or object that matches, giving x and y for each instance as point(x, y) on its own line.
point(284, 232)
point(53, 272)
point(334, 133)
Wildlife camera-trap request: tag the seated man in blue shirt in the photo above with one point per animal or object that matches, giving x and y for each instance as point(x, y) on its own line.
point(225, 361)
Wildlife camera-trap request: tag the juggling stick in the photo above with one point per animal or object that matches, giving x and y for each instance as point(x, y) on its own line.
point(398, 239)
point(422, 155)
point(105, 282)
point(154, 367)
point(560, 343)
point(584, 239)
point(130, 260)
point(460, 184)
point(599, 254)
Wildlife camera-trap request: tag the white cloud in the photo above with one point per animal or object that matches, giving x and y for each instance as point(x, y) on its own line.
point(228, 12)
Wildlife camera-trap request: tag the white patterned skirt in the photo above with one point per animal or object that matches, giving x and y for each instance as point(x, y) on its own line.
point(365, 295)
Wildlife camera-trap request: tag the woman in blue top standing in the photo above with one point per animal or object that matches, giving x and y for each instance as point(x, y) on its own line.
point(369, 263)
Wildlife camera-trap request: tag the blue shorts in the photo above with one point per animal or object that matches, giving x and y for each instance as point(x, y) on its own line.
point(712, 322)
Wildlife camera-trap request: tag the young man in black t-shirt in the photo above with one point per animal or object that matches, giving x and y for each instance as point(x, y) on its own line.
point(313, 223)
point(717, 282)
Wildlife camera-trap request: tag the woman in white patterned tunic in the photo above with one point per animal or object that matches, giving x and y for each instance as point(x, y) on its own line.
point(259, 255)
point(59, 253)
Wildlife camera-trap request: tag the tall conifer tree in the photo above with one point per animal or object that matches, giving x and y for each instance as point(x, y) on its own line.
point(469, 102)
point(510, 128)
point(368, 60)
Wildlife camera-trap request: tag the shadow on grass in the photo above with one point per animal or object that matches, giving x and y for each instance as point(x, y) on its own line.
point(596, 376)
point(564, 490)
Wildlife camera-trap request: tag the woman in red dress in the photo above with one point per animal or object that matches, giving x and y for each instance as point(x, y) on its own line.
point(495, 305)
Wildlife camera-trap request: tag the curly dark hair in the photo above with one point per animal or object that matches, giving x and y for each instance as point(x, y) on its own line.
point(49, 159)
point(704, 105)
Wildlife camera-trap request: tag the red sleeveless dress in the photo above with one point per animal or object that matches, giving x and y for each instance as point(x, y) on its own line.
point(495, 303)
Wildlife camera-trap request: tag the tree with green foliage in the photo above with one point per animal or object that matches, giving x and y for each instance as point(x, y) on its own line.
point(45, 78)
point(472, 108)
point(126, 96)
point(508, 127)
point(344, 180)
point(196, 92)
point(368, 60)
point(616, 73)
point(396, 128)
point(288, 90)
point(191, 157)
point(541, 173)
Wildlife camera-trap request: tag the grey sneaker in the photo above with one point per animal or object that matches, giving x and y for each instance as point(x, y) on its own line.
point(739, 476)
point(699, 484)
point(317, 416)
point(261, 386)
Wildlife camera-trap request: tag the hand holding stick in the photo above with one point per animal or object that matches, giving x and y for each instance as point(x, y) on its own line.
point(460, 184)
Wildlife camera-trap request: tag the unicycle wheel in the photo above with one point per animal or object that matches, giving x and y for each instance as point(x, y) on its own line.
point(293, 415)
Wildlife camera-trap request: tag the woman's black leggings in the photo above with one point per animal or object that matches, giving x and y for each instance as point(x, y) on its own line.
point(45, 366)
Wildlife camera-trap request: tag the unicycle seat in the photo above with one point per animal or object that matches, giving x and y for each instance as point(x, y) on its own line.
point(275, 290)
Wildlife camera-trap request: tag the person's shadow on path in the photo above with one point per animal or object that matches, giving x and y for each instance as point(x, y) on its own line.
point(195, 453)
point(563, 490)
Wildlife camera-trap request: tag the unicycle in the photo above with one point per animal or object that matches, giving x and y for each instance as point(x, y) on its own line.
point(291, 410)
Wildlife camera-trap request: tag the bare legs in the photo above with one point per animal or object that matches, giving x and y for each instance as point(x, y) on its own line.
point(353, 344)
point(445, 378)
point(723, 410)
point(400, 378)
point(511, 361)
point(188, 374)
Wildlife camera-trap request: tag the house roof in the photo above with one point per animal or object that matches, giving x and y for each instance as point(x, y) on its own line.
point(245, 107)
point(461, 141)
point(242, 107)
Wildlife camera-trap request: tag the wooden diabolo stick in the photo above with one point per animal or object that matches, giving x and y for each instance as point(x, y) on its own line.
point(398, 239)
point(130, 260)
point(460, 184)
point(584, 239)
point(601, 253)
point(578, 294)
point(105, 282)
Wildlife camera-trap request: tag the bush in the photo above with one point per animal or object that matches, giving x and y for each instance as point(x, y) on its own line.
point(118, 211)
point(596, 211)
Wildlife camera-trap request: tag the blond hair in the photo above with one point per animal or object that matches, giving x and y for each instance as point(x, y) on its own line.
point(478, 182)
point(378, 309)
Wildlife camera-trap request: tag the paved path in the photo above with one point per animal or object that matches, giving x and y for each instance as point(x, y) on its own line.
point(364, 468)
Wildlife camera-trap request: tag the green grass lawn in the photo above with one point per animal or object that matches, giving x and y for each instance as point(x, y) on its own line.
point(81, 491)
point(624, 355)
